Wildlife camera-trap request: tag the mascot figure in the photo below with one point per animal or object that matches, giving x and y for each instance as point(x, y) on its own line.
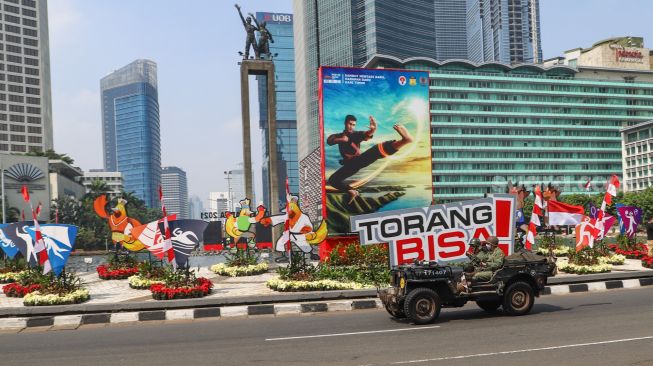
point(237, 227)
point(120, 224)
point(299, 229)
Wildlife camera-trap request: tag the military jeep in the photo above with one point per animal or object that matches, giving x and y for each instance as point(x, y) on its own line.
point(419, 290)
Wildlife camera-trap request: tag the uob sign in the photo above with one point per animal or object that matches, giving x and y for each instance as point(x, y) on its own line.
point(277, 18)
point(440, 232)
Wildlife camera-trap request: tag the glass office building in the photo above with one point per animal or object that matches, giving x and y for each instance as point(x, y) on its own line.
point(505, 31)
point(130, 128)
point(349, 33)
point(491, 123)
point(283, 51)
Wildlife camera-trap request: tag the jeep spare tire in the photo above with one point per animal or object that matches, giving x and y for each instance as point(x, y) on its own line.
point(422, 306)
point(399, 314)
point(518, 299)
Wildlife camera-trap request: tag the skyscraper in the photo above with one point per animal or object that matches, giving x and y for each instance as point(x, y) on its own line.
point(505, 31)
point(175, 191)
point(25, 99)
point(281, 27)
point(130, 128)
point(349, 33)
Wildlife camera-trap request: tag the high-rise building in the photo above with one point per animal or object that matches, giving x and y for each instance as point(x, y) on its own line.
point(131, 139)
point(506, 31)
point(637, 156)
point(113, 181)
point(195, 207)
point(175, 191)
point(220, 202)
point(25, 97)
point(530, 124)
point(281, 27)
point(349, 33)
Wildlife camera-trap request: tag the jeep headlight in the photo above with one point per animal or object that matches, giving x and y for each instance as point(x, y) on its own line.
point(402, 283)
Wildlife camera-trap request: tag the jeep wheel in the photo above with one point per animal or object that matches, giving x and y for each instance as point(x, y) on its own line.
point(399, 314)
point(490, 306)
point(422, 306)
point(518, 299)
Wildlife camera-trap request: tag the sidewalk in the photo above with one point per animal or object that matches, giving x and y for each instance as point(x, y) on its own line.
point(249, 295)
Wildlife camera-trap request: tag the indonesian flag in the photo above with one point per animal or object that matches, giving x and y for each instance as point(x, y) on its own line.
point(613, 184)
point(612, 189)
point(167, 242)
point(565, 214)
point(38, 210)
point(588, 185)
point(586, 231)
point(535, 219)
point(39, 244)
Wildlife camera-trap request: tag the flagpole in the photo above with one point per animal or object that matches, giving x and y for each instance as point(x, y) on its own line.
point(2, 179)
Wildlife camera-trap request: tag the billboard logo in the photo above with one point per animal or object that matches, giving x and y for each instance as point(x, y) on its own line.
point(402, 80)
point(423, 80)
point(277, 18)
point(412, 81)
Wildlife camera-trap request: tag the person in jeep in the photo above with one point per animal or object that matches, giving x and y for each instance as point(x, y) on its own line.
point(492, 262)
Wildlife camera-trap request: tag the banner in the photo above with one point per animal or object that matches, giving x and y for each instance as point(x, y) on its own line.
point(630, 217)
point(59, 240)
point(440, 232)
point(376, 142)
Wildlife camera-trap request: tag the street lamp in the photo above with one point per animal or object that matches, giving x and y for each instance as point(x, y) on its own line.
point(229, 198)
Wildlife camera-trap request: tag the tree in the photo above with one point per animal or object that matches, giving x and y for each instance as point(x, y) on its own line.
point(51, 154)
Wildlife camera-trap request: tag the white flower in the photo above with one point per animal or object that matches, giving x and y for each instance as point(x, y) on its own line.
point(75, 297)
point(139, 282)
point(235, 271)
point(320, 285)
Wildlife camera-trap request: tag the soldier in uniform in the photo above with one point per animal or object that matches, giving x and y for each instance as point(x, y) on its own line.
point(493, 262)
point(477, 254)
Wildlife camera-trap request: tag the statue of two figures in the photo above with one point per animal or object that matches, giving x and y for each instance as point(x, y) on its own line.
point(262, 49)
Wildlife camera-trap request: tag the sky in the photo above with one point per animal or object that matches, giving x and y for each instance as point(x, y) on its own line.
point(195, 45)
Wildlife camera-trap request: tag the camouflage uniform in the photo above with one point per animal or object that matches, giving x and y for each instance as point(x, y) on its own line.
point(494, 262)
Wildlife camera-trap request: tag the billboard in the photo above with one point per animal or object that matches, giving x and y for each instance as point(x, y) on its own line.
point(376, 144)
point(441, 232)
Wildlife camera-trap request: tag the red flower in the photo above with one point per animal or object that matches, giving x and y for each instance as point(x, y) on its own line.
point(201, 288)
point(18, 290)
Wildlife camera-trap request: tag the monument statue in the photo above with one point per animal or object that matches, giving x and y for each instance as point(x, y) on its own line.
point(264, 39)
point(250, 40)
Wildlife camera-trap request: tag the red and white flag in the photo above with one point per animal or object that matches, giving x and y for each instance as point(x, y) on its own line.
point(565, 214)
point(38, 210)
point(167, 241)
point(588, 185)
point(613, 184)
point(535, 219)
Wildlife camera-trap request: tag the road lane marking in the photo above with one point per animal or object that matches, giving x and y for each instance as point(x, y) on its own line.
point(524, 350)
point(352, 333)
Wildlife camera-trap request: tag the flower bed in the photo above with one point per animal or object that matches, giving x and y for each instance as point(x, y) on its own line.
point(17, 290)
point(319, 285)
point(615, 259)
point(139, 283)
point(201, 288)
point(647, 262)
point(38, 299)
point(583, 269)
point(107, 273)
point(9, 277)
point(236, 271)
point(558, 251)
point(640, 251)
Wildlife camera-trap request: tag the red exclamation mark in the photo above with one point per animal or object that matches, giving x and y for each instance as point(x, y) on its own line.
point(504, 222)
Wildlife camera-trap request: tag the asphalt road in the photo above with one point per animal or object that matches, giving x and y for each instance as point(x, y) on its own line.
point(606, 328)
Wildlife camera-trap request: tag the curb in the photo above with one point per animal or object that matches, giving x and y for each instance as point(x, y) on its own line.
point(281, 309)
